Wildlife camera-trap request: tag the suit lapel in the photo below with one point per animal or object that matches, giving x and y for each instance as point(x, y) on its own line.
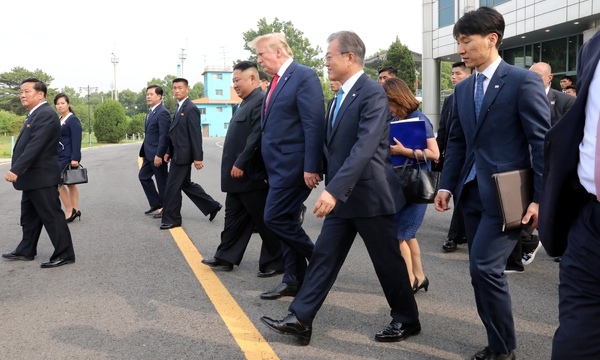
point(494, 87)
point(178, 113)
point(350, 97)
point(280, 85)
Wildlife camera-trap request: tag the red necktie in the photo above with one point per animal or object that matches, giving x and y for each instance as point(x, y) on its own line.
point(597, 162)
point(271, 90)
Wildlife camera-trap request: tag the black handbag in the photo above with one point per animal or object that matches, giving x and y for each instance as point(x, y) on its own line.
point(72, 176)
point(418, 185)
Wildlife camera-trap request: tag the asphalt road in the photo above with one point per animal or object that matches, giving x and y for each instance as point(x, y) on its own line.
point(137, 292)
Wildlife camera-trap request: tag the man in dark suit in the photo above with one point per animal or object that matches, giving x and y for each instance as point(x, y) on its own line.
point(154, 148)
point(570, 212)
point(361, 196)
point(184, 148)
point(35, 170)
point(293, 131)
point(499, 121)
point(456, 232)
point(246, 197)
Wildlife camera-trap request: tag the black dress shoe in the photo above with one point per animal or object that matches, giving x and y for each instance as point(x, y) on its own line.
point(449, 245)
point(282, 289)
point(213, 214)
point(489, 354)
point(268, 273)
point(164, 226)
point(158, 215)
point(218, 264)
point(14, 256)
point(153, 209)
point(290, 325)
point(396, 331)
point(56, 263)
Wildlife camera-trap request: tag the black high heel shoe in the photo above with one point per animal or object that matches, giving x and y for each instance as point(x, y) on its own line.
point(424, 285)
point(415, 286)
point(75, 214)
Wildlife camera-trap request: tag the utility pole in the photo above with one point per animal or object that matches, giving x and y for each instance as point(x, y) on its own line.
point(89, 92)
point(182, 57)
point(115, 61)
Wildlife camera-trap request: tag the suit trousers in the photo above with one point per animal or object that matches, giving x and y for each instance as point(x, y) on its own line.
point(41, 207)
point(579, 290)
point(489, 249)
point(456, 231)
point(160, 175)
point(244, 211)
point(281, 216)
point(179, 180)
point(331, 249)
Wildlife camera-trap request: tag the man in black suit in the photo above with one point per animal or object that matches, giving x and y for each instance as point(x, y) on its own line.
point(35, 170)
point(361, 196)
point(570, 212)
point(184, 148)
point(246, 197)
point(153, 149)
point(456, 232)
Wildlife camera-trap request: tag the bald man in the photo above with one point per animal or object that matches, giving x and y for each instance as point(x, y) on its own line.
point(560, 102)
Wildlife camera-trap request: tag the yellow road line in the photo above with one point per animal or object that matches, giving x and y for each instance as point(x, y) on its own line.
point(248, 338)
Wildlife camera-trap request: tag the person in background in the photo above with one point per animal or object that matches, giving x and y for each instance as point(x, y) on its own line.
point(184, 148)
point(153, 149)
point(565, 81)
point(246, 197)
point(404, 105)
point(353, 203)
point(571, 90)
point(264, 80)
point(499, 120)
point(69, 153)
point(456, 232)
point(35, 170)
point(293, 133)
point(387, 72)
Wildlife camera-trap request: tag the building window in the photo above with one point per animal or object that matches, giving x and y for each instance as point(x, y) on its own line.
point(446, 13)
point(555, 53)
point(226, 126)
point(491, 2)
point(219, 109)
point(217, 76)
point(202, 111)
point(219, 92)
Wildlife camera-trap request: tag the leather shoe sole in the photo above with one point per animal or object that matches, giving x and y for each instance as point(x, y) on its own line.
point(290, 325)
point(14, 256)
point(157, 215)
point(56, 263)
point(281, 290)
point(218, 264)
point(213, 214)
point(169, 226)
point(390, 334)
point(153, 209)
point(268, 273)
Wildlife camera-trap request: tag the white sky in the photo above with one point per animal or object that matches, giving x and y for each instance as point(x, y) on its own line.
point(73, 41)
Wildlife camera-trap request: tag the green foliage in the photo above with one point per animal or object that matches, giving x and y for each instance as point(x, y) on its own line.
point(400, 56)
point(10, 85)
point(10, 124)
point(197, 91)
point(446, 75)
point(304, 53)
point(110, 123)
point(136, 125)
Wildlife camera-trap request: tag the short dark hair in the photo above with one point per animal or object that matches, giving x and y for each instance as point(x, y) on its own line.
point(459, 64)
point(263, 76)
point(182, 80)
point(572, 87)
point(483, 21)
point(567, 77)
point(157, 89)
point(245, 65)
point(390, 69)
point(38, 85)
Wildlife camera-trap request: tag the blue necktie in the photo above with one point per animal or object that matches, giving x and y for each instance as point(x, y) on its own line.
point(478, 102)
point(479, 94)
point(338, 102)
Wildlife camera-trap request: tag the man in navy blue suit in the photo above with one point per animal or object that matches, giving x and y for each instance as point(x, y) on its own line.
point(293, 131)
point(361, 196)
point(154, 148)
point(500, 117)
point(570, 212)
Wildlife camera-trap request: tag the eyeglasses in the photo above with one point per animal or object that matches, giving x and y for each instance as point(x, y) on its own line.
point(328, 57)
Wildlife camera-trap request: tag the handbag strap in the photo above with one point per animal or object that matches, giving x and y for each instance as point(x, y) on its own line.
point(427, 165)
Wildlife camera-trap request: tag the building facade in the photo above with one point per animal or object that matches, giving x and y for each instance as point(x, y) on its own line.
point(551, 31)
point(218, 101)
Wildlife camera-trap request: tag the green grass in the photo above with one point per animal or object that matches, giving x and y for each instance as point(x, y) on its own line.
point(5, 144)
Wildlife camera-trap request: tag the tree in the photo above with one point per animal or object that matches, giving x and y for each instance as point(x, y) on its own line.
point(137, 124)
point(10, 124)
point(110, 123)
point(10, 86)
point(304, 53)
point(400, 57)
point(446, 75)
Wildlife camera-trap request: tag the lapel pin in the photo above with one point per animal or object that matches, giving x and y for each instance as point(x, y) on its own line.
point(497, 86)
